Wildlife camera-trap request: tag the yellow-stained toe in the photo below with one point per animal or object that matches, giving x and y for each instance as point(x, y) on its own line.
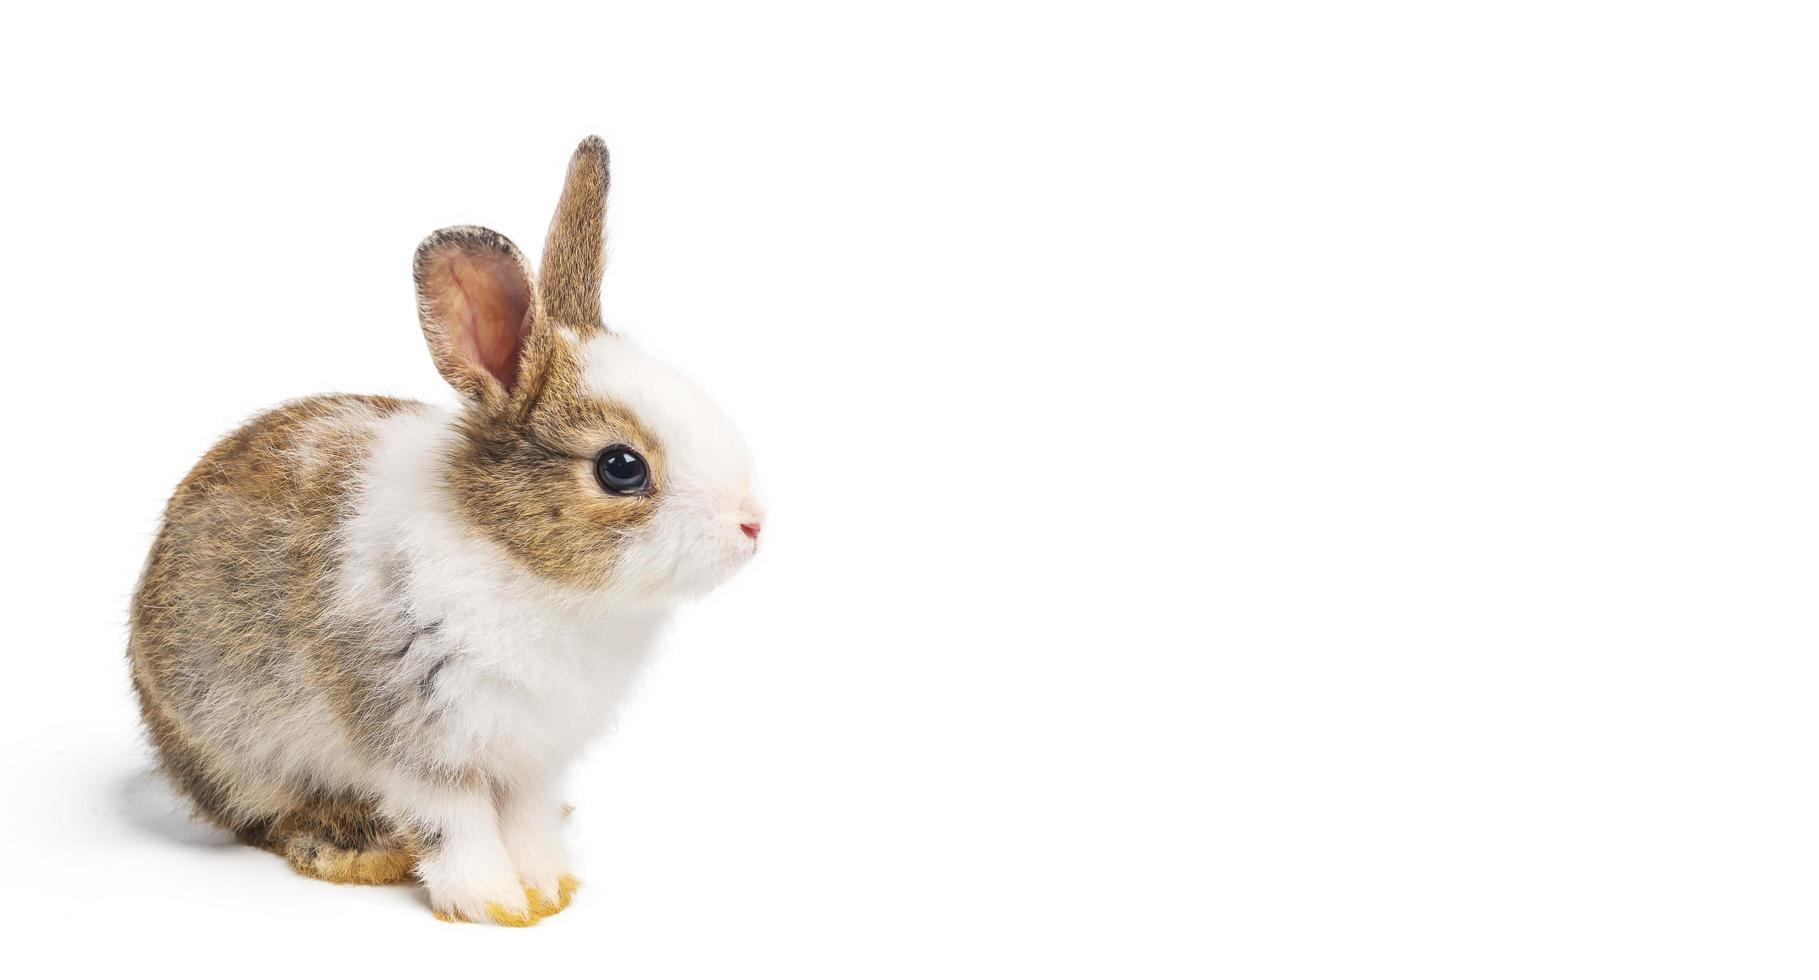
point(495, 913)
point(506, 917)
point(540, 906)
point(543, 906)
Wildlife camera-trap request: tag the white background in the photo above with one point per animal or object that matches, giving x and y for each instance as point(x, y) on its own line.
point(1278, 489)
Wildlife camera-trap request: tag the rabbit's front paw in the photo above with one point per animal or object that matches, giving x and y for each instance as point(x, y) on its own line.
point(502, 902)
point(532, 827)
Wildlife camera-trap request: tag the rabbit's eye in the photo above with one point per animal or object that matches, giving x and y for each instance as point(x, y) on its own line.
point(622, 471)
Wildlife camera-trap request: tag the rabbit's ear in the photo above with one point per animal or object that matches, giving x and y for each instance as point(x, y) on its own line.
point(478, 305)
point(574, 254)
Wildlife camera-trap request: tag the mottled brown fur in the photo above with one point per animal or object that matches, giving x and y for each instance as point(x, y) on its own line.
point(574, 251)
point(239, 579)
point(527, 478)
point(339, 839)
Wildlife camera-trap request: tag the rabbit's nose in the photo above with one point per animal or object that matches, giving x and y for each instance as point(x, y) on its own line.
point(750, 529)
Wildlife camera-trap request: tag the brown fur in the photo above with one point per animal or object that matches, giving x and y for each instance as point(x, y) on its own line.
point(528, 481)
point(338, 839)
point(574, 252)
point(238, 584)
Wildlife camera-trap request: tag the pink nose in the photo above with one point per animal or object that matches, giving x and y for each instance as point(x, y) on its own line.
point(751, 530)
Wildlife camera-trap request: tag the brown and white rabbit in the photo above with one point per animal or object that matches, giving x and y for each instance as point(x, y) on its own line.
point(372, 634)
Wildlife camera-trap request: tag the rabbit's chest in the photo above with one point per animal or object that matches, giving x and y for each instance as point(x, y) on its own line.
point(530, 698)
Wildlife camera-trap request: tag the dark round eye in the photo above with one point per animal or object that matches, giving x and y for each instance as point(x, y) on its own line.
point(622, 471)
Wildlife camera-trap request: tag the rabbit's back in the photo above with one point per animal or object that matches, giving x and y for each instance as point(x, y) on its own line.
point(239, 665)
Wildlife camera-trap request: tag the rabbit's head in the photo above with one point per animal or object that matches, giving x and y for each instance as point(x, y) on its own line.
point(585, 460)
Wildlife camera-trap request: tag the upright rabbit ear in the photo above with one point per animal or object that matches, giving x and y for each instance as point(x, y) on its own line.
point(574, 254)
point(478, 305)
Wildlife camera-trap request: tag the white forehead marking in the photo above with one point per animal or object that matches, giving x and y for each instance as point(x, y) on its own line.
point(699, 441)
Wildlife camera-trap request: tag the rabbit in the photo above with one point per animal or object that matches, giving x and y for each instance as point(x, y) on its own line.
point(371, 634)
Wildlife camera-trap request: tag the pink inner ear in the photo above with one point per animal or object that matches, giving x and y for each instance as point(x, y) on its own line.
point(490, 310)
